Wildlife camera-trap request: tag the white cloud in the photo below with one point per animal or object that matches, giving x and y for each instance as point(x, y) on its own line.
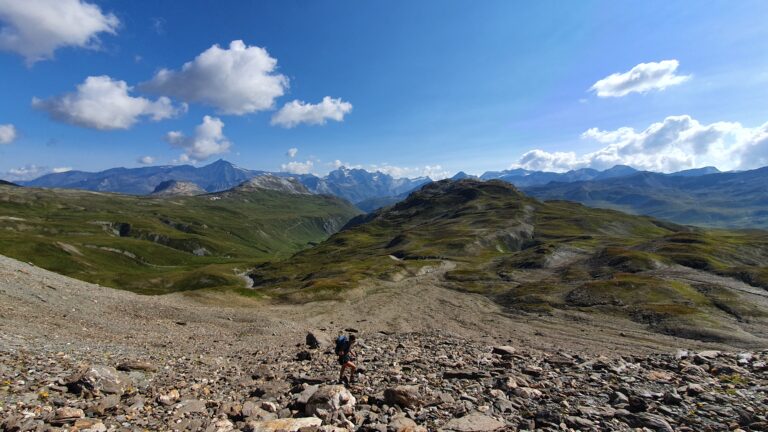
point(7, 133)
point(61, 169)
point(676, 143)
point(297, 112)
point(208, 140)
point(101, 102)
point(238, 80)
point(146, 160)
point(435, 172)
point(27, 172)
point(292, 152)
point(295, 167)
point(37, 28)
point(640, 79)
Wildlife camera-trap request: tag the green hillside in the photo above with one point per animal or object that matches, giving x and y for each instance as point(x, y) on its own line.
point(160, 245)
point(539, 257)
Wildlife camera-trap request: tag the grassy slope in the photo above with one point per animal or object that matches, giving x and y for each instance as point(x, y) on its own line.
point(511, 247)
point(160, 245)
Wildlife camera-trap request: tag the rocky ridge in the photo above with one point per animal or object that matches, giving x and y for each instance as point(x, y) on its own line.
point(177, 188)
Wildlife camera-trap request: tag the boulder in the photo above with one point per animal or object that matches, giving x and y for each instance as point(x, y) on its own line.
point(404, 424)
point(504, 350)
point(528, 393)
point(99, 379)
point(307, 393)
point(404, 396)
point(67, 414)
point(474, 423)
point(318, 339)
point(331, 403)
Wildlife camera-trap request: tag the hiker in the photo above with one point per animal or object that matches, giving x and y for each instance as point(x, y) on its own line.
point(344, 346)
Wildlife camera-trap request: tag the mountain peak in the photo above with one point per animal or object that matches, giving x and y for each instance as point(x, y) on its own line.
point(271, 182)
point(462, 175)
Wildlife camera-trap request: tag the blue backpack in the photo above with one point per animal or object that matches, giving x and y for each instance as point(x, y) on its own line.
point(342, 345)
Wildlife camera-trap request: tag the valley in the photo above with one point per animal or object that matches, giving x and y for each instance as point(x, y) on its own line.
point(162, 244)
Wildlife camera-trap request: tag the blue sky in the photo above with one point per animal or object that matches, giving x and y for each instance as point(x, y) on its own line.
point(428, 87)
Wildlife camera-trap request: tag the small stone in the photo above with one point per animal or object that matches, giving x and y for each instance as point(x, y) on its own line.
point(191, 406)
point(579, 422)
point(533, 371)
point(504, 351)
point(528, 393)
point(89, 425)
point(694, 389)
point(404, 396)
point(404, 424)
point(136, 365)
point(672, 398)
point(169, 398)
point(283, 425)
point(652, 421)
point(474, 423)
point(67, 414)
point(269, 406)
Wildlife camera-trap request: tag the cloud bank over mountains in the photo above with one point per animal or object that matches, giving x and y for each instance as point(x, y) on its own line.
point(673, 144)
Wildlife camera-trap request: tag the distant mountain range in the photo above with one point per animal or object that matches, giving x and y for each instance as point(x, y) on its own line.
point(218, 176)
point(523, 177)
point(702, 196)
point(733, 199)
point(354, 185)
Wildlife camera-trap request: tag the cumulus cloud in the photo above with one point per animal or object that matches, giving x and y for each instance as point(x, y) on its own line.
point(640, 79)
point(292, 152)
point(296, 167)
point(297, 112)
point(676, 143)
point(7, 133)
point(207, 141)
point(238, 80)
point(103, 103)
point(61, 169)
point(36, 28)
point(146, 160)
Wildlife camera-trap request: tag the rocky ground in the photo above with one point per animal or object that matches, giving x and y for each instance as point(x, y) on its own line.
point(76, 356)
